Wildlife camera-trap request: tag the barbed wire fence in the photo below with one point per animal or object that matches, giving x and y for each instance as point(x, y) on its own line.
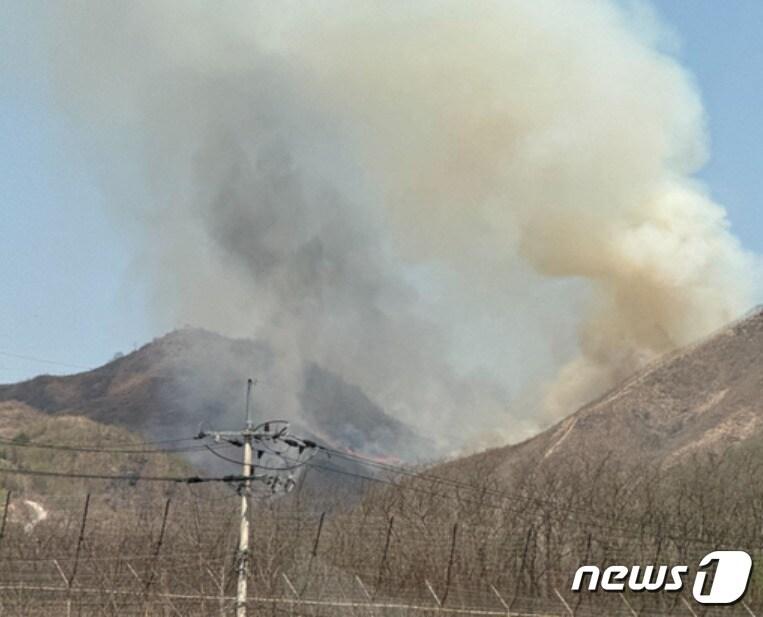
point(177, 558)
point(410, 543)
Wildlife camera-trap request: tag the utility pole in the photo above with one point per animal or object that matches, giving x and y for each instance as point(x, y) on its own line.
point(269, 434)
point(246, 488)
point(242, 558)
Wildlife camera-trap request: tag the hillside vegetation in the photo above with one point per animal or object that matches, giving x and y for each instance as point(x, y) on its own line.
point(32, 440)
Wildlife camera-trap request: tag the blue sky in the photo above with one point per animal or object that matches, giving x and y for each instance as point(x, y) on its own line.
point(62, 262)
point(69, 296)
point(721, 45)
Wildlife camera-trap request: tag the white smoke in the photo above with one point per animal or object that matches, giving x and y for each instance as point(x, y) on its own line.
point(391, 190)
point(550, 132)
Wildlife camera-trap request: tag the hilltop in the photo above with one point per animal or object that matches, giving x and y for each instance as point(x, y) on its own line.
point(188, 378)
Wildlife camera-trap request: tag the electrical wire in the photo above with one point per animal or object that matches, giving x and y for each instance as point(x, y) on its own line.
point(18, 356)
point(258, 466)
point(123, 477)
point(624, 531)
point(138, 449)
point(560, 510)
point(486, 491)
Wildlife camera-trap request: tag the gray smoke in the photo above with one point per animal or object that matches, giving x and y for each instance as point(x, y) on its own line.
point(453, 206)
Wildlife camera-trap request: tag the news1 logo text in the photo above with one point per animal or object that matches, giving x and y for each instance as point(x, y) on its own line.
point(721, 577)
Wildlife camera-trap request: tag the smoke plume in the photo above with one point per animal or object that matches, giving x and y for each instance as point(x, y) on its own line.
point(456, 206)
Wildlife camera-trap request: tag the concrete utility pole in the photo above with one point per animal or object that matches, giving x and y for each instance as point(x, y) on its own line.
point(268, 434)
point(242, 558)
point(243, 539)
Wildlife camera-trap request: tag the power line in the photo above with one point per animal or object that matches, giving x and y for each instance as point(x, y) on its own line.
point(138, 449)
point(557, 510)
point(44, 361)
point(404, 470)
point(487, 491)
point(135, 478)
point(123, 477)
point(256, 465)
point(418, 475)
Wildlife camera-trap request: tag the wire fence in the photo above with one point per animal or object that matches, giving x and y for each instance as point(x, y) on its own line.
point(177, 556)
point(104, 531)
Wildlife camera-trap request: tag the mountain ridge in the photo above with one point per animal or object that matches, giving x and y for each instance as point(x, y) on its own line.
point(191, 377)
point(699, 399)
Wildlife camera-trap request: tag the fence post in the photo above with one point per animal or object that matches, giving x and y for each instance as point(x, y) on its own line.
point(2, 530)
point(158, 547)
point(528, 538)
point(383, 561)
point(318, 535)
point(5, 514)
point(80, 539)
point(2, 526)
point(222, 589)
point(313, 554)
point(450, 562)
